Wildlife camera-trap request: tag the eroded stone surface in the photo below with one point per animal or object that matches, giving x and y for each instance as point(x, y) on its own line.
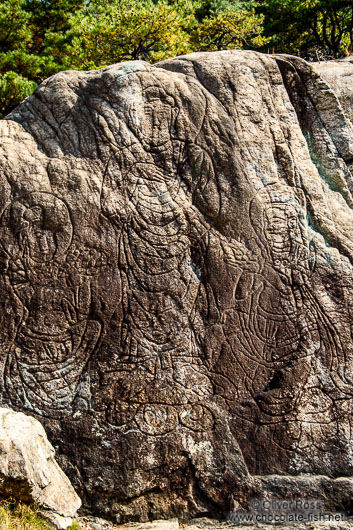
point(177, 246)
point(339, 75)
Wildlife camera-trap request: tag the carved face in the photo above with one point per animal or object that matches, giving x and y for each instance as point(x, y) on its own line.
point(151, 118)
point(281, 226)
point(37, 241)
point(41, 244)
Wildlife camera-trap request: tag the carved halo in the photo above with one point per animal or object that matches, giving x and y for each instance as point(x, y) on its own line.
point(53, 212)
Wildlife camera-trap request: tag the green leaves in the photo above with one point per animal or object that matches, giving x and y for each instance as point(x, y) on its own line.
point(123, 31)
point(300, 25)
point(229, 29)
point(13, 89)
point(14, 30)
point(34, 38)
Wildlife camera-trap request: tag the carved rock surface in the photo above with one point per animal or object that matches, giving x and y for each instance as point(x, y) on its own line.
point(176, 286)
point(339, 75)
point(28, 470)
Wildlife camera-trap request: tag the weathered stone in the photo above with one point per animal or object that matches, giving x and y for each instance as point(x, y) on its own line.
point(339, 75)
point(176, 287)
point(154, 525)
point(55, 520)
point(95, 523)
point(204, 523)
point(28, 470)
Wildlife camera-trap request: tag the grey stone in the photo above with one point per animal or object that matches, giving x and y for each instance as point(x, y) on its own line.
point(28, 470)
point(55, 520)
point(171, 524)
point(339, 75)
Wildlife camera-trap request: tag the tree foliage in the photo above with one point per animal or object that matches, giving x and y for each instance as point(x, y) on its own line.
point(33, 39)
point(209, 8)
point(13, 89)
point(332, 24)
point(123, 30)
point(229, 29)
point(14, 25)
point(41, 37)
point(300, 25)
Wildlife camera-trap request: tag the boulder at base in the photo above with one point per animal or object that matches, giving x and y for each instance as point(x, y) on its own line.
point(176, 282)
point(28, 470)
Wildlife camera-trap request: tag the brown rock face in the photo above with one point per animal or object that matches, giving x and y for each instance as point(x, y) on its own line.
point(176, 285)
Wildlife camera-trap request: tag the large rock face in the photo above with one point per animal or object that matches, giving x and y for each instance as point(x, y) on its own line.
point(177, 282)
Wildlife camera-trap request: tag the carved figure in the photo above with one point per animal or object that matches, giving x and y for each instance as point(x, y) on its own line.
point(285, 331)
point(160, 377)
point(54, 337)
